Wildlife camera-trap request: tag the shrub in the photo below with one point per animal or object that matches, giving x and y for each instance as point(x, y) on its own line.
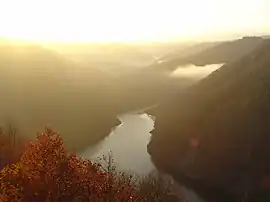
point(155, 187)
point(46, 172)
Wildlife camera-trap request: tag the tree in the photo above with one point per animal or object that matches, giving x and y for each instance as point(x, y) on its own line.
point(46, 172)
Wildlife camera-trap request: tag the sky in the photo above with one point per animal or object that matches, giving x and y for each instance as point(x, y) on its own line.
point(132, 20)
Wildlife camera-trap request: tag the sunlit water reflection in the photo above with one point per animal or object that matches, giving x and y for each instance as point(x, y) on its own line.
point(128, 144)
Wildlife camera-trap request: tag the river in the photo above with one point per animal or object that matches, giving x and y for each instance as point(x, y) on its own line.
point(128, 144)
point(128, 141)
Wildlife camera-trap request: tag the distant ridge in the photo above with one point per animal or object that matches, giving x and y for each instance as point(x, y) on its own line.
point(266, 36)
point(224, 52)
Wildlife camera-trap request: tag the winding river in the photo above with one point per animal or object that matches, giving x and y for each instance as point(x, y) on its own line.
point(128, 141)
point(128, 144)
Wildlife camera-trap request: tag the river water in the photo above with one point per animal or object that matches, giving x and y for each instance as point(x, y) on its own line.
point(128, 144)
point(128, 141)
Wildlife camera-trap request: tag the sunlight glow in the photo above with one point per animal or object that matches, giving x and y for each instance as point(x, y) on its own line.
point(125, 20)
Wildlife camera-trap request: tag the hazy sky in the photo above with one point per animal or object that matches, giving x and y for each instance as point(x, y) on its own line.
point(127, 20)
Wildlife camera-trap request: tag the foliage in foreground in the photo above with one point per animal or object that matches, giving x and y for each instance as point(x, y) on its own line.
point(47, 172)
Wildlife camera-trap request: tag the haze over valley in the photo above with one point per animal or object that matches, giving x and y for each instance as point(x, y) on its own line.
point(177, 88)
point(55, 91)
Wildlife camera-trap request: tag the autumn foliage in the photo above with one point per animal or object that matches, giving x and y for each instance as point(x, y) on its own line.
point(46, 172)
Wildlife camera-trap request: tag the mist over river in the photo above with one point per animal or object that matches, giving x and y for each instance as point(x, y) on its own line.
point(128, 141)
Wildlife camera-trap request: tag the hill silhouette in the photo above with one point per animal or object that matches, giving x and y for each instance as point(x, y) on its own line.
point(215, 136)
point(107, 56)
point(42, 88)
point(184, 52)
point(213, 53)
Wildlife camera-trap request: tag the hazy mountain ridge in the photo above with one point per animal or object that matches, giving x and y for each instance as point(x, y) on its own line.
point(42, 87)
point(217, 53)
point(106, 56)
point(228, 112)
point(187, 51)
